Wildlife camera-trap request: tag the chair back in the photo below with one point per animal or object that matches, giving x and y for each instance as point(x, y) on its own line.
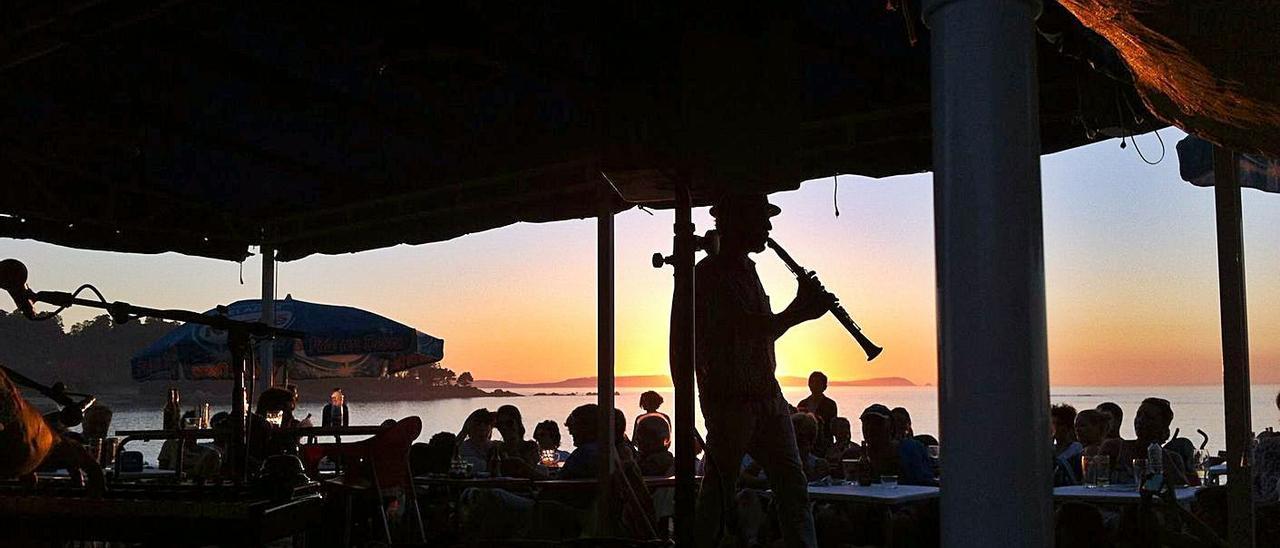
point(385, 456)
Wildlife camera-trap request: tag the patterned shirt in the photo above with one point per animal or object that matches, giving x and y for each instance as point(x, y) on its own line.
point(735, 358)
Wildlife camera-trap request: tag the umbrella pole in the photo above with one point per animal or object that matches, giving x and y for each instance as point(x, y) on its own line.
point(238, 341)
point(682, 364)
point(1235, 348)
point(267, 347)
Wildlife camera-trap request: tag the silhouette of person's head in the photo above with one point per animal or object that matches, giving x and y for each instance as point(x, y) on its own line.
point(479, 425)
point(876, 425)
point(547, 434)
point(742, 220)
point(619, 424)
point(1092, 426)
point(583, 424)
point(817, 382)
point(1063, 419)
point(806, 429)
point(97, 421)
point(1116, 414)
point(650, 401)
point(509, 423)
point(1151, 422)
point(841, 429)
point(274, 399)
point(651, 435)
point(900, 420)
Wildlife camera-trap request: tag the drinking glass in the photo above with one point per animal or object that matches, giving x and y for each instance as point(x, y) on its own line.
point(1089, 467)
point(1102, 470)
point(1200, 460)
point(889, 482)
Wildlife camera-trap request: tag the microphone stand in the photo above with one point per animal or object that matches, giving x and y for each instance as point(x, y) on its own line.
point(238, 337)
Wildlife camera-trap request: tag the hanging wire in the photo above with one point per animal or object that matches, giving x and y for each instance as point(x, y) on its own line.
point(1138, 149)
point(835, 193)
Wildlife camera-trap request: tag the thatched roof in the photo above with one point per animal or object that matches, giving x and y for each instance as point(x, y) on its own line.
point(207, 127)
point(1209, 67)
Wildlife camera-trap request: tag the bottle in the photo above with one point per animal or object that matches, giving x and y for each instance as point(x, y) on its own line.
point(1155, 459)
point(173, 412)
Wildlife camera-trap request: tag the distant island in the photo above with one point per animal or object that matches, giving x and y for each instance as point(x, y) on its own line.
point(661, 381)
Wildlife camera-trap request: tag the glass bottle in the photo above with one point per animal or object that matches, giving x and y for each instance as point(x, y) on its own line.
point(173, 411)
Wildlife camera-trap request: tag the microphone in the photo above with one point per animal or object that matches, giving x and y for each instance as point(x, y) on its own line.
point(13, 278)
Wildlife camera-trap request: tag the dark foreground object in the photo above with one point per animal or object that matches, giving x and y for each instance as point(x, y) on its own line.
point(167, 515)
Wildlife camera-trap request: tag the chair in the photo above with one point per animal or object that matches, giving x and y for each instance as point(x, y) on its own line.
point(377, 466)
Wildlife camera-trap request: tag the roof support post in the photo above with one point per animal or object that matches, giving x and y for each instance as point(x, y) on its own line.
point(1235, 348)
point(989, 242)
point(682, 357)
point(605, 357)
point(265, 347)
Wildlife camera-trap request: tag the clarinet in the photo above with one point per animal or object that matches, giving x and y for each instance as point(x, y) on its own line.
point(808, 277)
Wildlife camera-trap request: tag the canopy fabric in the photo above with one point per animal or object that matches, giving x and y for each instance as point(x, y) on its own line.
point(341, 342)
point(208, 127)
point(1206, 66)
point(1195, 164)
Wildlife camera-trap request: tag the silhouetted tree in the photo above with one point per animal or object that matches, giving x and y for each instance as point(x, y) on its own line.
point(465, 379)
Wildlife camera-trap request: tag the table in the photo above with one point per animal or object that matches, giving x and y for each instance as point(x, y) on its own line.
point(1114, 494)
point(874, 494)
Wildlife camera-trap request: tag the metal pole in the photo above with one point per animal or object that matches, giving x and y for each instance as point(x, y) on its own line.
point(1235, 348)
point(268, 316)
point(605, 356)
point(992, 348)
point(682, 365)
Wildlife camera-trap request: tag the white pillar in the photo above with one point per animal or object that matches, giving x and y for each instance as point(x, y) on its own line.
point(268, 315)
point(993, 385)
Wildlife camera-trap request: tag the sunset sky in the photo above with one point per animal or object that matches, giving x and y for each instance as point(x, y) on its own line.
point(1129, 255)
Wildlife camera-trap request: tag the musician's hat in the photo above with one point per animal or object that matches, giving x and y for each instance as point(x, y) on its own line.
point(744, 205)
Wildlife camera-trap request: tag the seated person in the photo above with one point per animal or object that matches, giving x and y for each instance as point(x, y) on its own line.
point(475, 441)
point(906, 458)
point(806, 429)
point(1151, 425)
point(1091, 431)
point(433, 457)
point(1066, 449)
point(582, 424)
point(547, 434)
point(1115, 416)
point(652, 434)
point(97, 422)
point(519, 456)
point(626, 449)
point(650, 401)
point(843, 447)
point(901, 419)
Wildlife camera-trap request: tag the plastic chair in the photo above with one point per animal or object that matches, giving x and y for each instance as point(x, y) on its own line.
point(376, 466)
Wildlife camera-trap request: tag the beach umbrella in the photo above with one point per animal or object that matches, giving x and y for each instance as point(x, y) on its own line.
point(1195, 165)
point(341, 342)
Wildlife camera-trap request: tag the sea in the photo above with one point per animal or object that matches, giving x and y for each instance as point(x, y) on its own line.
point(1195, 407)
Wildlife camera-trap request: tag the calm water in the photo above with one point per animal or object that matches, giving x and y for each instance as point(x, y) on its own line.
point(1194, 407)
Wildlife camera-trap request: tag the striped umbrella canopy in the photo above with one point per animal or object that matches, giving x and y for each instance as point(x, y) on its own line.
point(340, 342)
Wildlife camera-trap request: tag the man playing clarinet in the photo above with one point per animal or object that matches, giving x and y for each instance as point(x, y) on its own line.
point(741, 401)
